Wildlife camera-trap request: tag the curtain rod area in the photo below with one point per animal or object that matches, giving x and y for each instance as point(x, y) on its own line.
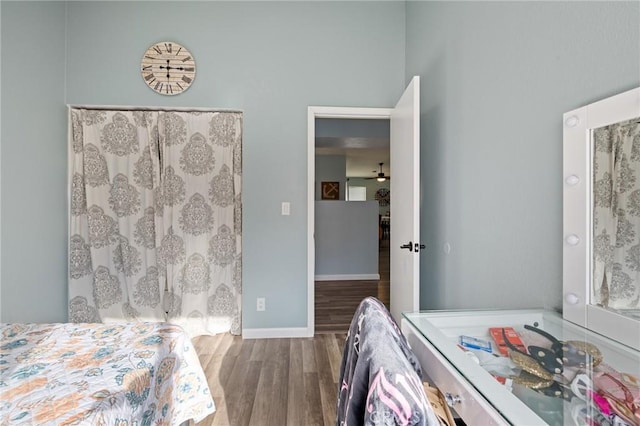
point(149, 108)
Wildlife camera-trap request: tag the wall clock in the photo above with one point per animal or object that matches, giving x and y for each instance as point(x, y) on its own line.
point(168, 68)
point(383, 196)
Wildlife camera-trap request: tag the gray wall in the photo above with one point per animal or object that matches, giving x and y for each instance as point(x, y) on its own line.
point(270, 59)
point(33, 164)
point(346, 237)
point(375, 130)
point(496, 79)
point(331, 168)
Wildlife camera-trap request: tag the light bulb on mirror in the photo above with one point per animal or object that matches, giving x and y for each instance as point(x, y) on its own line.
point(572, 121)
point(572, 240)
point(572, 180)
point(571, 298)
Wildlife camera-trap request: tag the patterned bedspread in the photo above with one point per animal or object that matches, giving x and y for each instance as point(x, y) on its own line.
point(100, 374)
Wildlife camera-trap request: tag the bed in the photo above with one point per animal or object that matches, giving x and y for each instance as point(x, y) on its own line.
point(100, 374)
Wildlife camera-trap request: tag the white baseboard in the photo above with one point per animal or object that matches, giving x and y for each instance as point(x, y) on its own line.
point(276, 333)
point(348, 277)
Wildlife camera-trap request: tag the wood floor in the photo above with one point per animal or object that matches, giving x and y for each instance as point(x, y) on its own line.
point(272, 382)
point(278, 382)
point(336, 301)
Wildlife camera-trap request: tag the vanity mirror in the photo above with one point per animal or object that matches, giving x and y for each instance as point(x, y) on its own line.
point(601, 217)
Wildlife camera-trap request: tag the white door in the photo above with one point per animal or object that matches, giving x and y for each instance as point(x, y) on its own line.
point(405, 202)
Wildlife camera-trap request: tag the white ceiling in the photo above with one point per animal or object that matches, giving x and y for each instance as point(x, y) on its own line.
point(364, 143)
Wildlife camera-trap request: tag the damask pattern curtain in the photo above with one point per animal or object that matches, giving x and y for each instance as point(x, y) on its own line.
point(155, 229)
point(616, 218)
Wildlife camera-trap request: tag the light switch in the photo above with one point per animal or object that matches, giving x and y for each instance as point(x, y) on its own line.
point(286, 208)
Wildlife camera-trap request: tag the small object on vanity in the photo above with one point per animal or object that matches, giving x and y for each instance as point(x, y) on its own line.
point(473, 343)
point(622, 396)
point(591, 349)
point(526, 361)
point(470, 354)
point(556, 390)
point(547, 387)
point(551, 359)
point(511, 335)
point(572, 353)
point(531, 380)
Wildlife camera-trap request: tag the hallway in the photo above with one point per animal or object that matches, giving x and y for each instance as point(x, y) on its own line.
point(336, 301)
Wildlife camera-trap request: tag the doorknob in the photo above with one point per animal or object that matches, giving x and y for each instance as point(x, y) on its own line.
point(407, 246)
point(418, 247)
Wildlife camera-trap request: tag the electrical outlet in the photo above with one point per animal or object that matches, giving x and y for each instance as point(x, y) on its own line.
point(260, 305)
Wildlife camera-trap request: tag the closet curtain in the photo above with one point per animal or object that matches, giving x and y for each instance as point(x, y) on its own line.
point(616, 215)
point(156, 213)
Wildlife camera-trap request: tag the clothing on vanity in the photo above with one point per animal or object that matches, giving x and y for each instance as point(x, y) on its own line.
point(380, 377)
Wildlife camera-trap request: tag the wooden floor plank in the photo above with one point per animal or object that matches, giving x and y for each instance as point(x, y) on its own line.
point(312, 403)
point(308, 356)
point(219, 418)
point(245, 397)
point(262, 404)
point(235, 389)
point(279, 389)
point(295, 388)
point(228, 359)
point(206, 344)
point(328, 388)
point(334, 344)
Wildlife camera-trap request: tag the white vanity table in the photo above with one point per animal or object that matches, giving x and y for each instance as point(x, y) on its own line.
point(601, 281)
point(476, 396)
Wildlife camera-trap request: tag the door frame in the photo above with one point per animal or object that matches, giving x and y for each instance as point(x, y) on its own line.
point(314, 112)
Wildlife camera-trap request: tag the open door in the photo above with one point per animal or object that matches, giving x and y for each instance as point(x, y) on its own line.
point(405, 194)
point(405, 202)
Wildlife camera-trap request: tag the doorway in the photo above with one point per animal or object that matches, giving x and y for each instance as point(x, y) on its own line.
point(313, 114)
point(353, 263)
point(405, 246)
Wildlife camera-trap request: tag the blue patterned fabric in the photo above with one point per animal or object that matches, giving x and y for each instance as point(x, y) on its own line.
point(144, 374)
point(380, 377)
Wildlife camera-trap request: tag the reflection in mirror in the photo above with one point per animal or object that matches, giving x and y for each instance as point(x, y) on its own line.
point(601, 217)
point(616, 217)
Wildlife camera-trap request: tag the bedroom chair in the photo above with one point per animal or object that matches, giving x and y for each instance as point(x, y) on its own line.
point(380, 377)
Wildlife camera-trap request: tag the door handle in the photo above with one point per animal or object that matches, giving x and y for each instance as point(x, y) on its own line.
point(407, 246)
point(418, 247)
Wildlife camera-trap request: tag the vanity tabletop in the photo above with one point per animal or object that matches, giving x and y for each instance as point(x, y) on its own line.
point(558, 373)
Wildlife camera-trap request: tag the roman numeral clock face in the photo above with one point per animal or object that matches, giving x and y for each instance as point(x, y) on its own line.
point(168, 68)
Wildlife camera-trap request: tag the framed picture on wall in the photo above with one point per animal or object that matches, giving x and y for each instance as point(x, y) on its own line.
point(330, 190)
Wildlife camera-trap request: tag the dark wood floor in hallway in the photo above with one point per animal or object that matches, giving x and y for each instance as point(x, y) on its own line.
point(336, 301)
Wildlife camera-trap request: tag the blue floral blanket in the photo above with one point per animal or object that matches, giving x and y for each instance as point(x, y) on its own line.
point(100, 374)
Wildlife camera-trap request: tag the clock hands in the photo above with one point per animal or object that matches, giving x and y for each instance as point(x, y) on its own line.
point(169, 68)
point(174, 68)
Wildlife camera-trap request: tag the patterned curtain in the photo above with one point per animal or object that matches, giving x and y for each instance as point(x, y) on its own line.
point(155, 230)
point(616, 215)
point(200, 211)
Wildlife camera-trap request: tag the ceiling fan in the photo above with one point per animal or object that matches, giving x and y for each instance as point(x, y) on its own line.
point(381, 177)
